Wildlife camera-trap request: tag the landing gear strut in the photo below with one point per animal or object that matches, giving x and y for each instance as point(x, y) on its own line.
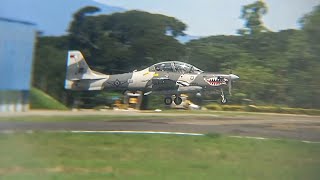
point(223, 98)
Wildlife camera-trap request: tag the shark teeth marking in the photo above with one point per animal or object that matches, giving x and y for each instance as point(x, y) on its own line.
point(215, 81)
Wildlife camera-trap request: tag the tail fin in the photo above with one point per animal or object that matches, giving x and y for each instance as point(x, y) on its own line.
point(78, 69)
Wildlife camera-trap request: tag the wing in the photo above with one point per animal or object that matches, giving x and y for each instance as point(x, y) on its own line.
point(163, 83)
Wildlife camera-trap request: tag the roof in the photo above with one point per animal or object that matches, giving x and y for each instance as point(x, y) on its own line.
point(17, 21)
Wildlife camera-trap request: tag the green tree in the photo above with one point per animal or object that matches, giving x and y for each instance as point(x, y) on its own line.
point(252, 14)
point(217, 53)
point(309, 60)
point(311, 27)
point(50, 65)
point(274, 67)
point(115, 43)
point(125, 41)
point(79, 17)
point(256, 82)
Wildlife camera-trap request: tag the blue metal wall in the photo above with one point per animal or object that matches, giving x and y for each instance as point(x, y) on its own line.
point(17, 41)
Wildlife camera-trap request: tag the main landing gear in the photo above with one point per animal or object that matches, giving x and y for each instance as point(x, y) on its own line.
point(177, 100)
point(167, 100)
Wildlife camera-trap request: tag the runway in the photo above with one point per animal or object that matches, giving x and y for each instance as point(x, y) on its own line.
point(297, 127)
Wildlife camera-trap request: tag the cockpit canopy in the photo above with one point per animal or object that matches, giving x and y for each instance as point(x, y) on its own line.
point(175, 66)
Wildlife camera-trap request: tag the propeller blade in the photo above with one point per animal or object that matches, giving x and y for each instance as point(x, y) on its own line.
point(230, 79)
point(230, 85)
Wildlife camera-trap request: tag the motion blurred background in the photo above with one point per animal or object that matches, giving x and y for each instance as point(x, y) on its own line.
point(277, 60)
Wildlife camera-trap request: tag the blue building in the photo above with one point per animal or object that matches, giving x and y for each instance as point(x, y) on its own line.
point(17, 42)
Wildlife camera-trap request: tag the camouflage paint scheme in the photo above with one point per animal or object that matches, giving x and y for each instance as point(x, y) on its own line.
point(169, 78)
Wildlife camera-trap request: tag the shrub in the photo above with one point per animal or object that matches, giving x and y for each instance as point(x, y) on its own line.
point(232, 108)
point(214, 106)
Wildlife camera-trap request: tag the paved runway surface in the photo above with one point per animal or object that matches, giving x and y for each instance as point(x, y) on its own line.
point(298, 127)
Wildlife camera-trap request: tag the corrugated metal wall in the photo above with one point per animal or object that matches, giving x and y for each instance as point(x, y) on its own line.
point(14, 101)
point(17, 41)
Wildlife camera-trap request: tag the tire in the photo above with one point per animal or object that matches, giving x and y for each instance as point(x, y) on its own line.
point(177, 100)
point(167, 101)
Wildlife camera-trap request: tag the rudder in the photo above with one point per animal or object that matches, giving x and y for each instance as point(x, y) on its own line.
point(78, 69)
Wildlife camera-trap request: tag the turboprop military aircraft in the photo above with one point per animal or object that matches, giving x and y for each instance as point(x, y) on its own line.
point(171, 78)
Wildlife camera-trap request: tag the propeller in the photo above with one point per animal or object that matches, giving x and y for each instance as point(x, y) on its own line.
point(230, 85)
point(231, 77)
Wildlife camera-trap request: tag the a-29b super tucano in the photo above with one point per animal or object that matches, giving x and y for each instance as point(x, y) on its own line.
point(171, 78)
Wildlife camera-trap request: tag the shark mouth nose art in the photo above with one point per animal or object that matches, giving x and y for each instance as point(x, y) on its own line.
point(216, 81)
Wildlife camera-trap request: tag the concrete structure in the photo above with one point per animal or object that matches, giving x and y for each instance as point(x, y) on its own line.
point(17, 41)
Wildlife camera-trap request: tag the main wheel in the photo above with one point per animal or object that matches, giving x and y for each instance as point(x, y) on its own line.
point(223, 100)
point(177, 100)
point(167, 101)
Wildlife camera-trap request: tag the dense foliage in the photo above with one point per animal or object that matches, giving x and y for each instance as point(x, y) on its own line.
point(252, 14)
point(274, 67)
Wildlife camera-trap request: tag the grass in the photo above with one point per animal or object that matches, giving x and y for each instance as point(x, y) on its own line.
point(39, 118)
point(262, 109)
point(41, 100)
point(113, 115)
point(117, 156)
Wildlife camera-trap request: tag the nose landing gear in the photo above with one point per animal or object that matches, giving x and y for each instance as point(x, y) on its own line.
point(223, 98)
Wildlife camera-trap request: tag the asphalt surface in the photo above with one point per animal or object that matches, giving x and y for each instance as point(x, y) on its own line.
point(298, 127)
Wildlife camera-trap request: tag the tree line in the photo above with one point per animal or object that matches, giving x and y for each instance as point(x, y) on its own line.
point(278, 68)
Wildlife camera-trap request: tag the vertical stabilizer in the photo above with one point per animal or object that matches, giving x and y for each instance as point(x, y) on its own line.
point(78, 69)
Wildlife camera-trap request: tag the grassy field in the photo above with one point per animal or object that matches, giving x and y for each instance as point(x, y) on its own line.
point(41, 100)
point(117, 156)
point(37, 118)
point(48, 116)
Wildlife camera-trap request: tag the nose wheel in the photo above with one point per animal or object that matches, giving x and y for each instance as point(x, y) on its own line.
point(223, 98)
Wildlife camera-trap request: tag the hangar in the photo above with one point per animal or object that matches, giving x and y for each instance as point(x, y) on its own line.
point(17, 41)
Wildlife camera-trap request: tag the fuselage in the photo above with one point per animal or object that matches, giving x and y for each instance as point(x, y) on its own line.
point(146, 80)
point(169, 78)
